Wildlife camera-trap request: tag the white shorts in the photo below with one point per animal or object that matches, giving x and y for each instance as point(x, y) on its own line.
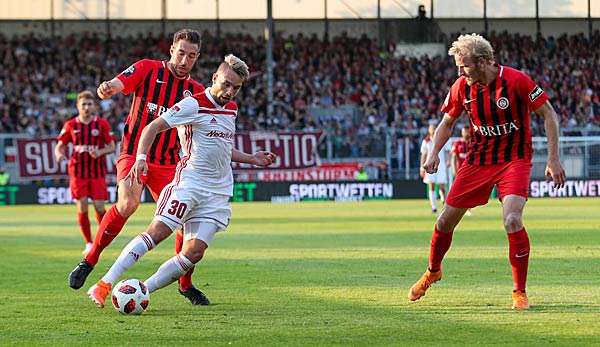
point(440, 177)
point(184, 205)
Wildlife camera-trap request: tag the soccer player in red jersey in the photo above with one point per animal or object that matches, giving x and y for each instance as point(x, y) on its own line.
point(92, 139)
point(498, 100)
point(459, 150)
point(157, 85)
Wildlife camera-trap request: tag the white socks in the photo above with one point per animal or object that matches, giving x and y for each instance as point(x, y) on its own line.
point(129, 256)
point(432, 198)
point(169, 272)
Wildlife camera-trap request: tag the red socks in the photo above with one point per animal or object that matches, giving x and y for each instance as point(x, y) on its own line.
point(518, 253)
point(440, 243)
point(109, 228)
point(185, 281)
point(84, 224)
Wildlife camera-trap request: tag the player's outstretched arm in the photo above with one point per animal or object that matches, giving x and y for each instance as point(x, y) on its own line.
point(554, 169)
point(107, 89)
point(440, 137)
point(260, 158)
point(140, 168)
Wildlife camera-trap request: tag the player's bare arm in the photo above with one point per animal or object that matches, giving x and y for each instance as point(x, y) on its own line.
point(59, 151)
point(260, 158)
point(109, 148)
point(440, 137)
point(554, 169)
point(107, 89)
point(140, 168)
point(422, 163)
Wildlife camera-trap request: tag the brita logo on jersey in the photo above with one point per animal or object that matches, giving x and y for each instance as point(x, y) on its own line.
point(495, 130)
point(152, 108)
point(220, 134)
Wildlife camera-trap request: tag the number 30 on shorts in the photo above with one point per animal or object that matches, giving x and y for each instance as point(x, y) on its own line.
point(177, 208)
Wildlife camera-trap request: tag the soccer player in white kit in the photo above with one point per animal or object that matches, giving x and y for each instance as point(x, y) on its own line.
point(198, 196)
point(441, 176)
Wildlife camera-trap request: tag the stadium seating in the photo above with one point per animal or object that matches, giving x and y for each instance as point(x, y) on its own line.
point(40, 78)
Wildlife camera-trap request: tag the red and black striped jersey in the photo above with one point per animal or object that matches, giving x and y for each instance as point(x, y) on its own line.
point(460, 148)
point(86, 138)
point(155, 90)
point(500, 115)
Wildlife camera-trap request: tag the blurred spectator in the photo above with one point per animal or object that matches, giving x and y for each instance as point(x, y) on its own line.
point(348, 87)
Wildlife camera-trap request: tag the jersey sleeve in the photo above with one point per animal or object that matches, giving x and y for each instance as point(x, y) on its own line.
point(65, 134)
point(133, 76)
point(453, 104)
point(531, 92)
point(183, 112)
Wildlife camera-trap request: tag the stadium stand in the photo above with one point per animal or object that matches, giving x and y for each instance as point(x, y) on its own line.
point(366, 88)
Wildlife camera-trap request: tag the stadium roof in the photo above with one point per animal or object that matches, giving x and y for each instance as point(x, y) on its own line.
point(289, 9)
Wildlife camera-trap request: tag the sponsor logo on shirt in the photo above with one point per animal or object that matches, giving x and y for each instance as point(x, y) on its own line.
point(154, 109)
point(95, 132)
point(220, 134)
point(129, 71)
point(495, 130)
point(535, 93)
point(84, 148)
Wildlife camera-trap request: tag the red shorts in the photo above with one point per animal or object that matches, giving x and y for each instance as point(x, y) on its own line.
point(473, 184)
point(95, 188)
point(158, 175)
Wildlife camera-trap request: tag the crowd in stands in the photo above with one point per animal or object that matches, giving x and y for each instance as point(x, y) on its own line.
point(40, 78)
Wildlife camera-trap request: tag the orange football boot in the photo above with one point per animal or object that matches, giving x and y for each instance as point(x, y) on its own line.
point(520, 300)
point(420, 287)
point(98, 293)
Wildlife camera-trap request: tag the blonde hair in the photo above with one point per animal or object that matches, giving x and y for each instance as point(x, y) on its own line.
point(472, 45)
point(237, 65)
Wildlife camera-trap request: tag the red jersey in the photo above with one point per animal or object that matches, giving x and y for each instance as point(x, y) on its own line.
point(499, 113)
point(155, 90)
point(86, 138)
point(460, 148)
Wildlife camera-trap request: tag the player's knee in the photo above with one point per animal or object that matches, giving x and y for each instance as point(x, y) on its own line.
point(443, 224)
point(127, 206)
point(513, 222)
point(194, 254)
point(158, 231)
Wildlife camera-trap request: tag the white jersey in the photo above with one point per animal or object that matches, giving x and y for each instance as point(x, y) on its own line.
point(441, 176)
point(206, 132)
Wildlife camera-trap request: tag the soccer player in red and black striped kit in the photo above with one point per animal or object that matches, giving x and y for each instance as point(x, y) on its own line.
point(498, 100)
point(92, 139)
point(157, 85)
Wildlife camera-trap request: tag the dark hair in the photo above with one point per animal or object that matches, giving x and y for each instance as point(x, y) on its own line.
point(86, 94)
point(189, 35)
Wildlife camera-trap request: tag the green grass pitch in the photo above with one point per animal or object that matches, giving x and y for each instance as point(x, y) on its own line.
point(312, 274)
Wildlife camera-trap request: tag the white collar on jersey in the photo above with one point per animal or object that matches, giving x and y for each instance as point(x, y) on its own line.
point(210, 97)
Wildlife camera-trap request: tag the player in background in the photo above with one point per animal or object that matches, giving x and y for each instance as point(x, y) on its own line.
point(459, 150)
point(198, 196)
point(92, 139)
point(156, 85)
point(498, 100)
point(459, 154)
point(440, 177)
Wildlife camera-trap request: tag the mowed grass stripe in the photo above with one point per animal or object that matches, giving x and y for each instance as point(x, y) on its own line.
point(315, 273)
